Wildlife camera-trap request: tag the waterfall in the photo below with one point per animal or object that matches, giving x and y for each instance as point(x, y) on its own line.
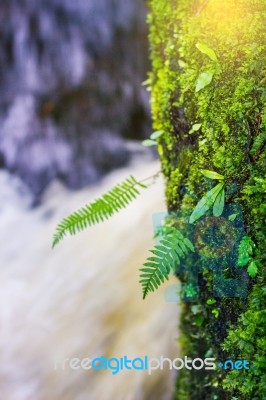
point(70, 81)
point(81, 299)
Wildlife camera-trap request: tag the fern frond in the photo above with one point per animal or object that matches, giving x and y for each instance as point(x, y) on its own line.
point(100, 209)
point(166, 257)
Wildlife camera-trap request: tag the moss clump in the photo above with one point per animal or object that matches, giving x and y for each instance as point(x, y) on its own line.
point(211, 106)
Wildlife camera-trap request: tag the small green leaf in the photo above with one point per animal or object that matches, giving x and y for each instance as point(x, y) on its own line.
point(147, 82)
point(203, 48)
point(190, 291)
point(215, 312)
point(212, 174)
point(252, 269)
point(210, 301)
point(243, 260)
point(149, 142)
point(155, 135)
point(232, 217)
point(204, 80)
point(196, 127)
point(245, 250)
point(205, 203)
point(218, 205)
point(199, 320)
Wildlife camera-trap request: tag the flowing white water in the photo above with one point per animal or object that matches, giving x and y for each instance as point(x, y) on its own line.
point(81, 299)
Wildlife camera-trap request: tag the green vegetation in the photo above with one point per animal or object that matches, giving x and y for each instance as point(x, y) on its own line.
point(208, 86)
point(152, 141)
point(166, 257)
point(99, 210)
point(215, 198)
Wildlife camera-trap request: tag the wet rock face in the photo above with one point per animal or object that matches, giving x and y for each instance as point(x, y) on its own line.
point(70, 82)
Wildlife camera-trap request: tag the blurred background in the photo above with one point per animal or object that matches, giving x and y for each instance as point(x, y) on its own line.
point(73, 112)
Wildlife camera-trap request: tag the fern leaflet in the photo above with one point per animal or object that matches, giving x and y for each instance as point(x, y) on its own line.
point(100, 209)
point(165, 257)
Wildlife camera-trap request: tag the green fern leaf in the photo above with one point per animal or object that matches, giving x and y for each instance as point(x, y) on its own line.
point(100, 209)
point(166, 257)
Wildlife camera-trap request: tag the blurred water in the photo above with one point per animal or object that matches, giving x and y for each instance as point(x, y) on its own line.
point(81, 299)
point(70, 82)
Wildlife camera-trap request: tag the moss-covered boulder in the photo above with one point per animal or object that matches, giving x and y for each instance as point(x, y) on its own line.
point(208, 84)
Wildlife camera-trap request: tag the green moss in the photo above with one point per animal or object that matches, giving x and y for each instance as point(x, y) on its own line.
point(231, 140)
